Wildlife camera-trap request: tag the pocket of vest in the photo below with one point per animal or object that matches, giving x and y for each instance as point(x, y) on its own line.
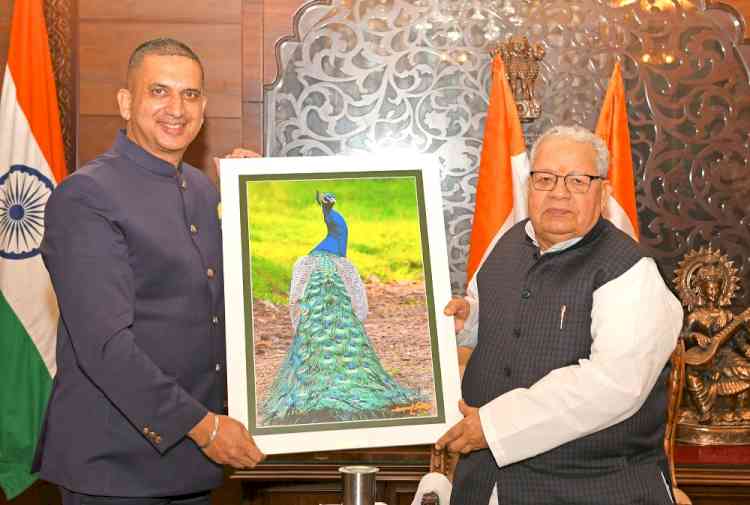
point(570, 337)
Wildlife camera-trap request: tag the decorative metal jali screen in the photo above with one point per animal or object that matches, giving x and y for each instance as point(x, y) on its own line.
point(371, 75)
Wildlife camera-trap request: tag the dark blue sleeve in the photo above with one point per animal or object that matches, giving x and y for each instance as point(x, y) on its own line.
point(88, 260)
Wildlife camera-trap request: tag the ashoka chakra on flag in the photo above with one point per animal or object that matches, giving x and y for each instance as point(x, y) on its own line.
point(23, 194)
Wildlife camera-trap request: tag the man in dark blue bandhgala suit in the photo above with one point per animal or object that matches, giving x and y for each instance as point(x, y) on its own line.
point(132, 245)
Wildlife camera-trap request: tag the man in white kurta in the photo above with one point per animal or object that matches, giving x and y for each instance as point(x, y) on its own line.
point(565, 393)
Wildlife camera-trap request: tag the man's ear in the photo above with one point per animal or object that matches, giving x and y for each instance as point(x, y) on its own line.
point(203, 109)
point(124, 102)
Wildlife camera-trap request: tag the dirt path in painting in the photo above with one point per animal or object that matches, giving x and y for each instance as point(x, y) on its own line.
point(398, 314)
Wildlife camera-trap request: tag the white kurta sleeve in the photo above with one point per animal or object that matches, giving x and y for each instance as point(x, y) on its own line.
point(635, 322)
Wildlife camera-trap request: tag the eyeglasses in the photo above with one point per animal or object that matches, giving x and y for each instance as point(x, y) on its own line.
point(576, 183)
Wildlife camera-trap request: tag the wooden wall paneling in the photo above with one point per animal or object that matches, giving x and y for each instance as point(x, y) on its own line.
point(306, 493)
point(252, 126)
point(169, 11)
point(278, 16)
point(105, 47)
point(252, 51)
point(96, 135)
point(230, 493)
point(108, 33)
point(293, 494)
point(400, 493)
point(743, 7)
point(217, 137)
point(712, 495)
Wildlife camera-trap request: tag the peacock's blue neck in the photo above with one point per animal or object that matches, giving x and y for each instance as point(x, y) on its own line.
point(338, 234)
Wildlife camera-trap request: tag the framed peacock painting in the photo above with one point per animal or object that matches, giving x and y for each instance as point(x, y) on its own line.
point(336, 273)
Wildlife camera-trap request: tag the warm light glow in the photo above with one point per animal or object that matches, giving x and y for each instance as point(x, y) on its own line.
point(423, 25)
point(658, 58)
point(492, 31)
point(478, 16)
point(454, 35)
point(662, 5)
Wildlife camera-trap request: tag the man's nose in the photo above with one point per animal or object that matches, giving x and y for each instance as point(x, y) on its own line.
point(176, 106)
point(560, 189)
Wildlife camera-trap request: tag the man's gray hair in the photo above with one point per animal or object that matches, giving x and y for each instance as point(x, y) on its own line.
point(577, 133)
point(162, 46)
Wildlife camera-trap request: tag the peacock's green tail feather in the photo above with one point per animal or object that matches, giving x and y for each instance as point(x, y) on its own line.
point(331, 371)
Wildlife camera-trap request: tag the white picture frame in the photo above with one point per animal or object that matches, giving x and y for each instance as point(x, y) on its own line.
point(383, 184)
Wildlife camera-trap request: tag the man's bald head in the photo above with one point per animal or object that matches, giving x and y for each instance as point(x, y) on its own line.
point(161, 47)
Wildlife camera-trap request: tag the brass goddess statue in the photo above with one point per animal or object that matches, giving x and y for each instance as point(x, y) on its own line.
point(717, 360)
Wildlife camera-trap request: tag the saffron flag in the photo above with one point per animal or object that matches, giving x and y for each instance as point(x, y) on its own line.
point(613, 128)
point(31, 164)
point(503, 171)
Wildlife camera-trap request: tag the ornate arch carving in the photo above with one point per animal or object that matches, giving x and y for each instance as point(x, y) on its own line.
point(358, 76)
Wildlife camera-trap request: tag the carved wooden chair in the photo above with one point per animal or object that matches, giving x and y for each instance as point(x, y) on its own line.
point(445, 463)
point(675, 385)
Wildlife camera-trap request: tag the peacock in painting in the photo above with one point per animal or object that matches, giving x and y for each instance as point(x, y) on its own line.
point(331, 371)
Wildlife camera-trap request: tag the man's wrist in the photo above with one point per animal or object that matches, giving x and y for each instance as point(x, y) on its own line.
point(201, 432)
point(214, 432)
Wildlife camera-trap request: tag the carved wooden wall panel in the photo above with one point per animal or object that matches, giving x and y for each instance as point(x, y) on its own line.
point(361, 77)
point(61, 17)
point(742, 7)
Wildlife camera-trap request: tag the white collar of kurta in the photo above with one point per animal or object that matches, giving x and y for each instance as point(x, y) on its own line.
point(560, 246)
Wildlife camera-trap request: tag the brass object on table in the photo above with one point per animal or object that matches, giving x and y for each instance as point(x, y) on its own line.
point(715, 408)
point(522, 69)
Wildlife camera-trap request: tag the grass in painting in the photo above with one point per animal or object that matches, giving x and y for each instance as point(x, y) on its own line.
point(286, 223)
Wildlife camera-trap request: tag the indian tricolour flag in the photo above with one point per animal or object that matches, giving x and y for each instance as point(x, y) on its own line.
point(503, 173)
point(612, 126)
point(504, 168)
point(31, 164)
